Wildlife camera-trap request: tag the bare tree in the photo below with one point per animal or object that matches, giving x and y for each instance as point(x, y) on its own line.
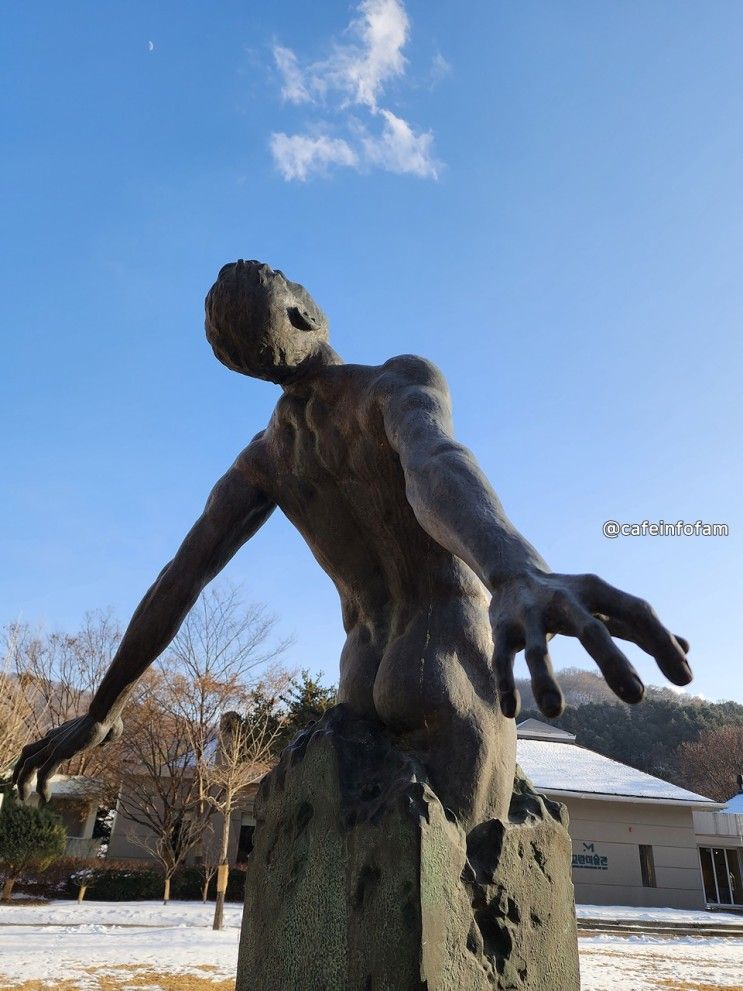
point(172, 735)
point(19, 705)
point(160, 791)
point(59, 672)
point(711, 763)
point(221, 652)
point(243, 755)
point(579, 687)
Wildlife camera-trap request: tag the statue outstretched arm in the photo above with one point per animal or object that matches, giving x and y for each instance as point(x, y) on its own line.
point(456, 505)
point(233, 513)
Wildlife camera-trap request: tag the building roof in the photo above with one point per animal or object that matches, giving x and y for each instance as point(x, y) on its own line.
point(74, 786)
point(735, 805)
point(533, 729)
point(568, 769)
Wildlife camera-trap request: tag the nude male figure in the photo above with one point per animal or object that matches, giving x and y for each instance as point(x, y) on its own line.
point(438, 590)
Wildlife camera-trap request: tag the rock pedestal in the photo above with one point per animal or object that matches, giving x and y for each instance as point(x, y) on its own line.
point(360, 881)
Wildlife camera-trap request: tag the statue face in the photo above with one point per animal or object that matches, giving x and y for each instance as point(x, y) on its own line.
point(260, 324)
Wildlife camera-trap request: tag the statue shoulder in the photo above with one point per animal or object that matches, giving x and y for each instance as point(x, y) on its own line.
point(411, 371)
point(251, 462)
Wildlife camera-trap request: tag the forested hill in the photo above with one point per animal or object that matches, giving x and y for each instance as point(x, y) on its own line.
point(689, 741)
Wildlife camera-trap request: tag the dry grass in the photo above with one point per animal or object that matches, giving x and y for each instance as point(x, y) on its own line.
point(623, 955)
point(42, 986)
point(674, 985)
point(23, 901)
point(131, 978)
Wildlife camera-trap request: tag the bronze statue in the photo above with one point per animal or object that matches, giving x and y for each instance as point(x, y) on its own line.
point(438, 590)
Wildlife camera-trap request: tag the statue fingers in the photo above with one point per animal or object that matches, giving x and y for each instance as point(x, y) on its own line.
point(31, 765)
point(23, 764)
point(665, 651)
point(618, 628)
point(618, 673)
point(46, 771)
point(544, 684)
point(62, 744)
point(639, 623)
point(506, 643)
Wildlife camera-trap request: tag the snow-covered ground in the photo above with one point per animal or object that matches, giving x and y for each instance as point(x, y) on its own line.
point(176, 915)
point(100, 945)
point(652, 963)
point(97, 945)
point(626, 913)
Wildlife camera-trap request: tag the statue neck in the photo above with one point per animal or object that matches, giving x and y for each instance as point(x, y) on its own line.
point(295, 379)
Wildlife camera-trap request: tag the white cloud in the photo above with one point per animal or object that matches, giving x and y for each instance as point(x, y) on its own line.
point(440, 68)
point(298, 156)
point(357, 70)
point(400, 149)
point(355, 75)
point(362, 70)
point(294, 89)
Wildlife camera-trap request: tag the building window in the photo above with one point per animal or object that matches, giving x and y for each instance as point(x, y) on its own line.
point(708, 875)
point(734, 872)
point(721, 871)
point(647, 866)
point(245, 839)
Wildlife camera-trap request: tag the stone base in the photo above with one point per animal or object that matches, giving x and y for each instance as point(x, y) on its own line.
point(359, 882)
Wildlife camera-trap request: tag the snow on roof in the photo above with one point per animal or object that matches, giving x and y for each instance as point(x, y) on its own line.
point(74, 786)
point(735, 805)
point(533, 729)
point(556, 767)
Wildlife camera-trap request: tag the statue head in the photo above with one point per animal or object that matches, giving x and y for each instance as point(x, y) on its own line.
point(260, 324)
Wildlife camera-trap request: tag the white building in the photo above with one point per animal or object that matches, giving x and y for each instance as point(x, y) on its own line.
point(720, 838)
point(634, 840)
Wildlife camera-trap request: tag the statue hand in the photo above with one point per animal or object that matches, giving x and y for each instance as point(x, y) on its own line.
point(60, 744)
point(526, 611)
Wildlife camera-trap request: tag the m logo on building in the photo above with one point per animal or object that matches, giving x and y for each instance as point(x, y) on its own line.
point(590, 860)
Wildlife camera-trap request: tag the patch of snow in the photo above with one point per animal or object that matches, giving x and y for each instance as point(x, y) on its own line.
point(142, 914)
point(567, 767)
point(628, 913)
point(533, 729)
point(649, 963)
point(63, 939)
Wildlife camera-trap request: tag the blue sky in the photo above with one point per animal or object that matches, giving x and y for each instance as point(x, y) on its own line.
point(544, 198)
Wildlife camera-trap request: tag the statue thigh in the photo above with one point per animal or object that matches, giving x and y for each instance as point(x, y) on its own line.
point(435, 687)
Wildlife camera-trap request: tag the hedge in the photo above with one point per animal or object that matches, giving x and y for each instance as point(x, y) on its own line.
point(134, 881)
point(121, 880)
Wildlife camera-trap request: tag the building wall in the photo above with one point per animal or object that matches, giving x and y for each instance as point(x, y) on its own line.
point(133, 841)
point(129, 841)
point(613, 833)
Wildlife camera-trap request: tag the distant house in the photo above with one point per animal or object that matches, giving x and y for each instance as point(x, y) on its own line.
point(720, 839)
point(76, 799)
point(132, 835)
point(134, 841)
point(633, 835)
